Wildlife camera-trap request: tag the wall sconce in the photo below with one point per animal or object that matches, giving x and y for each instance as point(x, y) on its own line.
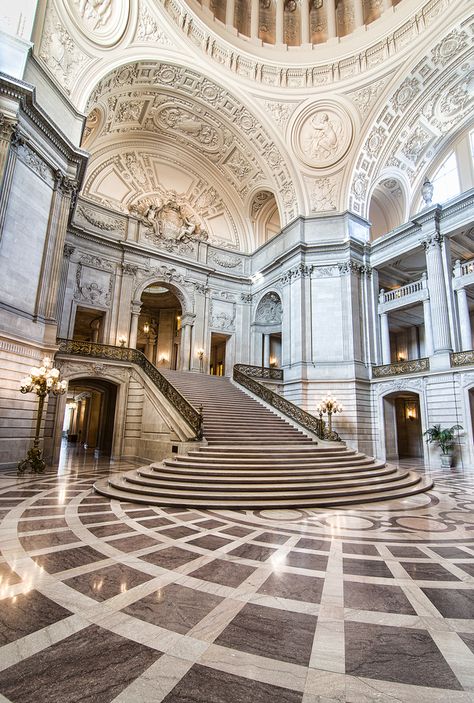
point(411, 411)
point(273, 362)
point(200, 356)
point(400, 357)
point(122, 340)
point(163, 359)
point(72, 405)
point(146, 327)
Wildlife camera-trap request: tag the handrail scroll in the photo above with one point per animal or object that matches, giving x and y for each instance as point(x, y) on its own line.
point(133, 356)
point(309, 422)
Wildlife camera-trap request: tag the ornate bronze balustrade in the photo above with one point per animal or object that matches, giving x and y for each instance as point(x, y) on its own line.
point(267, 372)
point(464, 358)
point(401, 367)
point(133, 356)
point(309, 422)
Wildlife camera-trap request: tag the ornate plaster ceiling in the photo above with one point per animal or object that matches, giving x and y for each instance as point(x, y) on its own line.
point(155, 127)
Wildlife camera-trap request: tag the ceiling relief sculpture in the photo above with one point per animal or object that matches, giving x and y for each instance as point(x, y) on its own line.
point(135, 180)
point(418, 116)
point(170, 223)
point(101, 21)
point(322, 134)
point(193, 122)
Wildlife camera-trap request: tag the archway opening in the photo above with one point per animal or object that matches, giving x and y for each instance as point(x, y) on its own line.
point(265, 216)
point(387, 207)
point(267, 329)
point(159, 326)
point(402, 420)
point(89, 325)
point(89, 418)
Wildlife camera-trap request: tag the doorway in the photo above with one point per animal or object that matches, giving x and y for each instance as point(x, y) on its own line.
point(159, 326)
point(88, 325)
point(217, 366)
point(90, 415)
point(402, 421)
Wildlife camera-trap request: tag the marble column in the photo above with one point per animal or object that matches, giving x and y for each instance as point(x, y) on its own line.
point(305, 38)
point(64, 190)
point(428, 328)
point(229, 13)
point(8, 140)
point(330, 6)
point(437, 289)
point(254, 17)
point(185, 347)
point(358, 14)
point(385, 336)
point(280, 11)
point(464, 320)
point(136, 307)
point(266, 350)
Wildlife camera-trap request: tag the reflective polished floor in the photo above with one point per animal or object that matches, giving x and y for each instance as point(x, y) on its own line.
point(107, 601)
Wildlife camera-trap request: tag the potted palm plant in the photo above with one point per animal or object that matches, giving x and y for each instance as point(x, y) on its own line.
point(444, 439)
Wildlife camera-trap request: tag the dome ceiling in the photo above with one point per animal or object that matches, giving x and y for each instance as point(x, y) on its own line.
point(156, 128)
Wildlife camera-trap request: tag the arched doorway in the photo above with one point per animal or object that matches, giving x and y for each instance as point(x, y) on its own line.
point(159, 326)
point(402, 426)
point(89, 418)
point(267, 329)
point(387, 207)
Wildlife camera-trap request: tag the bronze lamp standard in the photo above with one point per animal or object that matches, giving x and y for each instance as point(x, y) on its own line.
point(329, 406)
point(42, 381)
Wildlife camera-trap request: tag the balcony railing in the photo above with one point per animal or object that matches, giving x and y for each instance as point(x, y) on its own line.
point(401, 367)
point(403, 291)
point(109, 352)
point(464, 358)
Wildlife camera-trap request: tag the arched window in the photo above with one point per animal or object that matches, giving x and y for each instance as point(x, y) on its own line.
point(446, 180)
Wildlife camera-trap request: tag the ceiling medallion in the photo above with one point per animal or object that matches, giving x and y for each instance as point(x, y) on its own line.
point(101, 21)
point(322, 134)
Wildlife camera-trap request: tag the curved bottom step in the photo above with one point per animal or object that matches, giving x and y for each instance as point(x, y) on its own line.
point(120, 490)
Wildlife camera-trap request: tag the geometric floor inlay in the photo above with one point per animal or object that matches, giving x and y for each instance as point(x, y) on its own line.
point(105, 601)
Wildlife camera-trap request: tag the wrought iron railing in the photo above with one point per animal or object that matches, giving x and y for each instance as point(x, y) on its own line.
point(133, 356)
point(265, 372)
point(401, 367)
point(309, 422)
point(464, 358)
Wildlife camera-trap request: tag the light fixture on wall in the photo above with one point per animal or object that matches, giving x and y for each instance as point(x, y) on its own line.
point(273, 362)
point(146, 328)
point(400, 357)
point(163, 359)
point(42, 381)
point(200, 356)
point(411, 412)
point(122, 340)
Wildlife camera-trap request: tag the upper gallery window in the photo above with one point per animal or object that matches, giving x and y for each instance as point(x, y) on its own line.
point(446, 180)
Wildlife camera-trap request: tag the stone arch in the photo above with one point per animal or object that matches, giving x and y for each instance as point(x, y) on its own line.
point(389, 391)
point(167, 277)
point(387, 204)
point(269, 309)
point(267, 329)
point(264, 214)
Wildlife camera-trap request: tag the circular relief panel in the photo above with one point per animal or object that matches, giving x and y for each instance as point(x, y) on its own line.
point(322, 134)
point(101, 21)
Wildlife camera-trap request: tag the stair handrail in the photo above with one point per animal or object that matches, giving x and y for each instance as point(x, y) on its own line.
point(309, 422)
point(269, 372)
point(188, 412)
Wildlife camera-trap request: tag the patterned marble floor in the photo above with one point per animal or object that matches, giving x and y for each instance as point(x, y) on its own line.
point(107, 601)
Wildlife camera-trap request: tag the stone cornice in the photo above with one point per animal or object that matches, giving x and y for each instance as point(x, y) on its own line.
point(25, 94)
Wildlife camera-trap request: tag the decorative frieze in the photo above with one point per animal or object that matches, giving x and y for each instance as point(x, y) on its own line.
point(300, 271)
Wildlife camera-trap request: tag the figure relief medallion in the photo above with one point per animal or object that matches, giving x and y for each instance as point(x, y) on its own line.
point(322, 134)
point(101, 21)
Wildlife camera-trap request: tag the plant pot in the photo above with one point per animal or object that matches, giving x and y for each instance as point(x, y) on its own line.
point(446, 461)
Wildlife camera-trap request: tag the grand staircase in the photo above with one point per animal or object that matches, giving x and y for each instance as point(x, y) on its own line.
point(255, 459)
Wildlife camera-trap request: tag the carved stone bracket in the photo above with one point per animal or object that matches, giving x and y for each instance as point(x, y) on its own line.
point(300, 271)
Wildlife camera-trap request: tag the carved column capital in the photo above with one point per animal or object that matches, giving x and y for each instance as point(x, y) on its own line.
point(433, 241)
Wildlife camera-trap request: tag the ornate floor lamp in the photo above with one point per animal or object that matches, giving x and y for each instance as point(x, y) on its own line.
point(42, 381)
